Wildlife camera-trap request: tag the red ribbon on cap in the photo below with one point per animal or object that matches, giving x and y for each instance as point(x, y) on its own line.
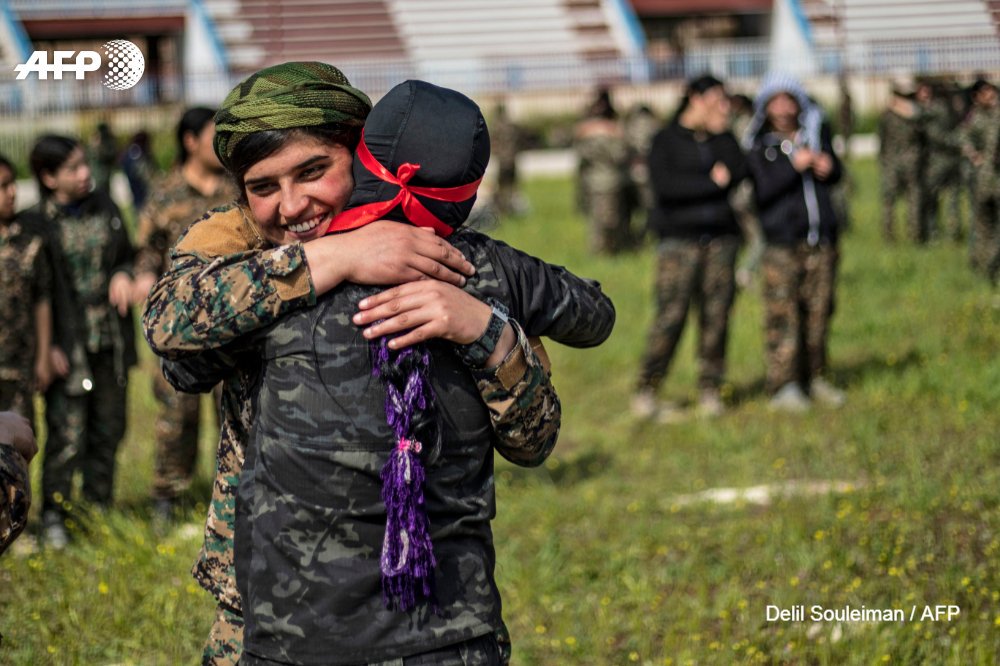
point(415, 211)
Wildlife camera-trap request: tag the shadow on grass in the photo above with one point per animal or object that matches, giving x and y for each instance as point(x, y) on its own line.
point(560, 471)
point(843, 375)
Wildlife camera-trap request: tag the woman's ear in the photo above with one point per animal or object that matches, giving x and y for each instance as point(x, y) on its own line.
point(48, 179)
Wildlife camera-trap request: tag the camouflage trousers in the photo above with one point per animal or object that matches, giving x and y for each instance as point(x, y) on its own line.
point(798, 301)
point(902, 179)
point(16, 396)
point(225, 647)
point(225, 641)
point(943, 184)
point(176, 439)
point(506, 193)
point(610, 216)
point(691, 271)
point(985, 248)
point(84, 432)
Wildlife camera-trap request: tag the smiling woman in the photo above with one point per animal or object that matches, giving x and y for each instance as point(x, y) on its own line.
point(295, 192)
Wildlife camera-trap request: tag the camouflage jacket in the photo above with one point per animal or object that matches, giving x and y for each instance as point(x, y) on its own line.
point(25, 280)
point(310, 512)
point(15, 494)
point(87, 244)
point(981, 143)
point(223, 283)
point(171, 208)
point(604, 155)
point(943, 142)
point(901, 140)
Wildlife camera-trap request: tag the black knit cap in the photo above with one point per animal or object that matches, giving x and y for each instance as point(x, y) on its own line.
point(440, 129)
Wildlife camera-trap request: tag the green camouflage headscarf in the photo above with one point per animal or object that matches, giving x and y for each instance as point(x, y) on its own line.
point(293, 94)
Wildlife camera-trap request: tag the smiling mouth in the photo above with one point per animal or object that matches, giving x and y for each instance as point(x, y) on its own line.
point(309, 225)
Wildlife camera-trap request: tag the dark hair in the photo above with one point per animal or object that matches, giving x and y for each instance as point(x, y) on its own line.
point(602, 107)
point(4, 162)
point(263, 144)
point(697, 86)
point(978, 86)
point(193, 121)
point(50, 152)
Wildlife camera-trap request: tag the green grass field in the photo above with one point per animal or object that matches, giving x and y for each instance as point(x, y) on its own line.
point(604, 556)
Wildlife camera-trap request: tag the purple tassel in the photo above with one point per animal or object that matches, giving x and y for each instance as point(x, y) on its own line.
point(407, 562)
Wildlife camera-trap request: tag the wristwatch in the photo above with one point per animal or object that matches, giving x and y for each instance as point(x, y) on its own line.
point(478, 351)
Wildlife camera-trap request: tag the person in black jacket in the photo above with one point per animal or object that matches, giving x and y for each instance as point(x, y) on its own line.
point(694, 163)
point(94, 344)
point(793, 167)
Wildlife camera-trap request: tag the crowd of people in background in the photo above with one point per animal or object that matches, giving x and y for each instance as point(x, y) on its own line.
point(727, 170)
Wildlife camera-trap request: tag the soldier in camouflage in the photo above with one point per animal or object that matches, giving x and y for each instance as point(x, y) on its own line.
point(94, 333)
point(604, 159)
point(198, 184)
point(17, 448)
point(317, 386)
point(25, 305)
point(508, 140)
point(941, 178)
point(227, 279)
point(901, 158)
point(981, 146)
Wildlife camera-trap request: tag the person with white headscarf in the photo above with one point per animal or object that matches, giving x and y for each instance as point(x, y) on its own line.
point(793, 166)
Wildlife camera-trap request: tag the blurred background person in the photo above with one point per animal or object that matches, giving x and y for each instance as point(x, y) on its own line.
point(507, 142)
point(694, 164)
point(603, 152)
point(139, 168)
point(94, 344)
point(17, 448)
point(900, 161)
point(197, 185)
point(793, 166)
point(979, 146)
point(103, 157)
point(25, 305)
point(641, 125)
point(941, 176)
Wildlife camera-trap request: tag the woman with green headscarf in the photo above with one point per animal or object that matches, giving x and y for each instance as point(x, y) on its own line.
point(236, 271)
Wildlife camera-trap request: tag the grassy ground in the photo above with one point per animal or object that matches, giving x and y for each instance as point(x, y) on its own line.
point(603, 556)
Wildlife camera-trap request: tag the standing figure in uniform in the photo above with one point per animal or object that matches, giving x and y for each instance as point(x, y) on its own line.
point(694, 164)
point(507, 139)
point(793, 167)
point(603, 177)
point(900, 162)
point(980, 147)
point(94, 344)
point(197, 185)
point(25, 305)
point(941, 177)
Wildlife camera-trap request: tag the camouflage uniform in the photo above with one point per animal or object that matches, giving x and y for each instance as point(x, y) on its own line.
point(982, 141)
point(901, 161)
point(641, 125)
point(15, 494)
point(172, 207)
point(799, 300)
point(25, 281)
point(85, 412)
point(313, 362)
point(941, 178)
point(224, 282)
point(688, 270)
point(505, 142)
point(603, 182)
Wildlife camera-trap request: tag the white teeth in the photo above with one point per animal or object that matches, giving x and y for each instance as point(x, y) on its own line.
point(308, 225)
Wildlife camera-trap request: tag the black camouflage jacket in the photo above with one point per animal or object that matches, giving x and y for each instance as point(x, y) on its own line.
point(310, 518)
